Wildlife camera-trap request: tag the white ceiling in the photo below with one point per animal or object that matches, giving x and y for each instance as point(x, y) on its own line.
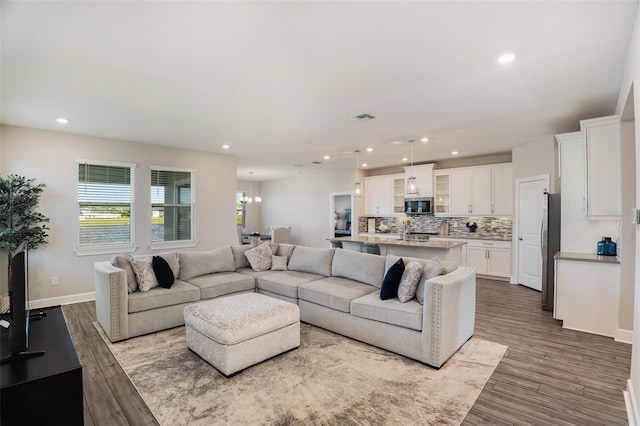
point(279, 81)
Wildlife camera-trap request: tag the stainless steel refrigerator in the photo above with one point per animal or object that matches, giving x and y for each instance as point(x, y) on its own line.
point(550, 245)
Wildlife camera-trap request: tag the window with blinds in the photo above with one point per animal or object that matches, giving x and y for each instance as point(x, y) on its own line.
point(105, 204)
point(171, 205)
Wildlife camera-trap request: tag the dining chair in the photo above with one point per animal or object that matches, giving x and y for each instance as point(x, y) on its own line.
point(281, 235)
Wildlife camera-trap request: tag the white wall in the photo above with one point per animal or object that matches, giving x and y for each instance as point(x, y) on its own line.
point(535, 159)
point(302, 202)
point(627, 229)
point(631, 81)
point(50, 157)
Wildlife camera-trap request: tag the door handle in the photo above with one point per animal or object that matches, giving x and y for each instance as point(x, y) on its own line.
point(520, 238)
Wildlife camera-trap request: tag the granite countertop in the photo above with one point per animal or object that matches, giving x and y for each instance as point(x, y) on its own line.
point(586, 257)
point(444, 245)
point(452, 236)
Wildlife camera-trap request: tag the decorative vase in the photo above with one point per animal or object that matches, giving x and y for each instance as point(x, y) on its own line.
point(606, 247)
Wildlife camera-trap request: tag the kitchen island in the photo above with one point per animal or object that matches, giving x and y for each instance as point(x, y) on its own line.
point(446, 250)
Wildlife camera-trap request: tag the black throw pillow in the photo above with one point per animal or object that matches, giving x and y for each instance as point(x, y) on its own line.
point(389, 288)
point(163, 271)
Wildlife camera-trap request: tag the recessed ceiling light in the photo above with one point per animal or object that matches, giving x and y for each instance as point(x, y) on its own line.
point(364, 164)
point(369, 149)
point(507, 58)
point(454, 152)
point(424, 140)
point(326, 157)
point(405, 159)
point(62, 120)
point(225, 146)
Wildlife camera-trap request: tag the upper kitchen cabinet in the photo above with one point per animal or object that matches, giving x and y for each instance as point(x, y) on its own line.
point(477, 191)
point(603, 167)
point(383, 195)
point(442, 192)
point(424, 180)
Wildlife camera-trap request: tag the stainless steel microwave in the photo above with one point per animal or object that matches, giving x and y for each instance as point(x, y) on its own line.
point(418, 205)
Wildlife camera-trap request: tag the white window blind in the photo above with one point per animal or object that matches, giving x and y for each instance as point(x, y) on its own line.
point(171, 205)
point(105, 201)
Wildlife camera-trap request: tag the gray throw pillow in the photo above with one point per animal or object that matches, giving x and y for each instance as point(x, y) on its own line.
point(409, 282)
point(278, 263)
point(260, 257)
point(123, 261)
point(144, 273)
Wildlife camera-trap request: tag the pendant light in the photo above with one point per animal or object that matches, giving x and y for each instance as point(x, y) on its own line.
point(249, 200)
point(412, 186)
point(357, 187)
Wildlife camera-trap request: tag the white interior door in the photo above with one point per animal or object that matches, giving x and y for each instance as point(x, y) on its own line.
point(530, 204)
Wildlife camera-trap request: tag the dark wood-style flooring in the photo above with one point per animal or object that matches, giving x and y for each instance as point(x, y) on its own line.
point(549, 375)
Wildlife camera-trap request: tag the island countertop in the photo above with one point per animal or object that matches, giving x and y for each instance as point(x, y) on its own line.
point(443, 245)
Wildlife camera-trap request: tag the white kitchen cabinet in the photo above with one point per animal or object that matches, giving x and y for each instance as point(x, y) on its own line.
point(481, 191)
point(442, 193)
point(378, 195)
point(603, 167)
point(398, 193)
point(586, 293)
point(424, 180)
point(502, 190)
point(490, 257)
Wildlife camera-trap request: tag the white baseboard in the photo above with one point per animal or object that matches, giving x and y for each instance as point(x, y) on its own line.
point(632, 407)
point(624, 336)
point(62, 300)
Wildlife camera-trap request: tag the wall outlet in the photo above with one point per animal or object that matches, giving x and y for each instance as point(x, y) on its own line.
point(54, 280)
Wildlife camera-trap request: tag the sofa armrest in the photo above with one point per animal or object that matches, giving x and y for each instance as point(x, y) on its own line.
point(449, 314)
point(112, 300)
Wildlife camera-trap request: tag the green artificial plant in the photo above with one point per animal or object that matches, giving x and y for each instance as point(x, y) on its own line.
point(19, 222)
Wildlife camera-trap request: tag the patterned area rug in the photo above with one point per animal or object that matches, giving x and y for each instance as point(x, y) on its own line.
point(329, 380)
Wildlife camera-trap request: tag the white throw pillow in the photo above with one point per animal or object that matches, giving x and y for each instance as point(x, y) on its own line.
point(409, 281)
point(433, 268)
point(144, 273)
point(260, 257)
point(278, 263)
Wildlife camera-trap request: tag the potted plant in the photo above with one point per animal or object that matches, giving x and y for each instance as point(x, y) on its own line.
point(19, 222)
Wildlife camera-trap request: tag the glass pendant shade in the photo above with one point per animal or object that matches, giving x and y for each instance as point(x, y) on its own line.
point(258, 199)
point(412, 187)
point(357, 190)
point(357, 187)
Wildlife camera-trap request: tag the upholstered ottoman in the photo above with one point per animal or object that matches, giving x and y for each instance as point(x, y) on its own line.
point(236, 332)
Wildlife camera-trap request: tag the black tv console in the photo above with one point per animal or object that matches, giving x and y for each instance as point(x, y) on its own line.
point(47, 389)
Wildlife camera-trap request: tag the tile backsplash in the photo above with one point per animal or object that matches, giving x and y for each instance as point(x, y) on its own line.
point(487, 226)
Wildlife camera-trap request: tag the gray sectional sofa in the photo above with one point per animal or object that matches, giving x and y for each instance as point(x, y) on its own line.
point(335, 289)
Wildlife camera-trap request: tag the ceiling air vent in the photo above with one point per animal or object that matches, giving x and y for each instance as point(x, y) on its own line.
point(362, 117)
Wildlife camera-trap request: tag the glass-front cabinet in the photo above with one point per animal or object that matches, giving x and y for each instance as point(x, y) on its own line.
point(442, 193)
point(398, 194)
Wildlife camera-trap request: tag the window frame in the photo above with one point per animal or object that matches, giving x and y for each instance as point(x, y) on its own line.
point(174, 244)
point(106, 249)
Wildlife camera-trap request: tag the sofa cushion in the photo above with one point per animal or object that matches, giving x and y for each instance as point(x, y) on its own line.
point(123, 261)
point(163, 271)
point(285, 249)
point(409, 281)
point(391, 281)
point(260, 257)
point(286, 283)
point(431, 268)
point(144, 273)
point(221, 283)
point(312, 260)
point(173, 259)
point(239, 258)
point(363, 267)
point(195, 263)
point(255, 274)
point(392, 311)
point(334, 292)
point(158, 297)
